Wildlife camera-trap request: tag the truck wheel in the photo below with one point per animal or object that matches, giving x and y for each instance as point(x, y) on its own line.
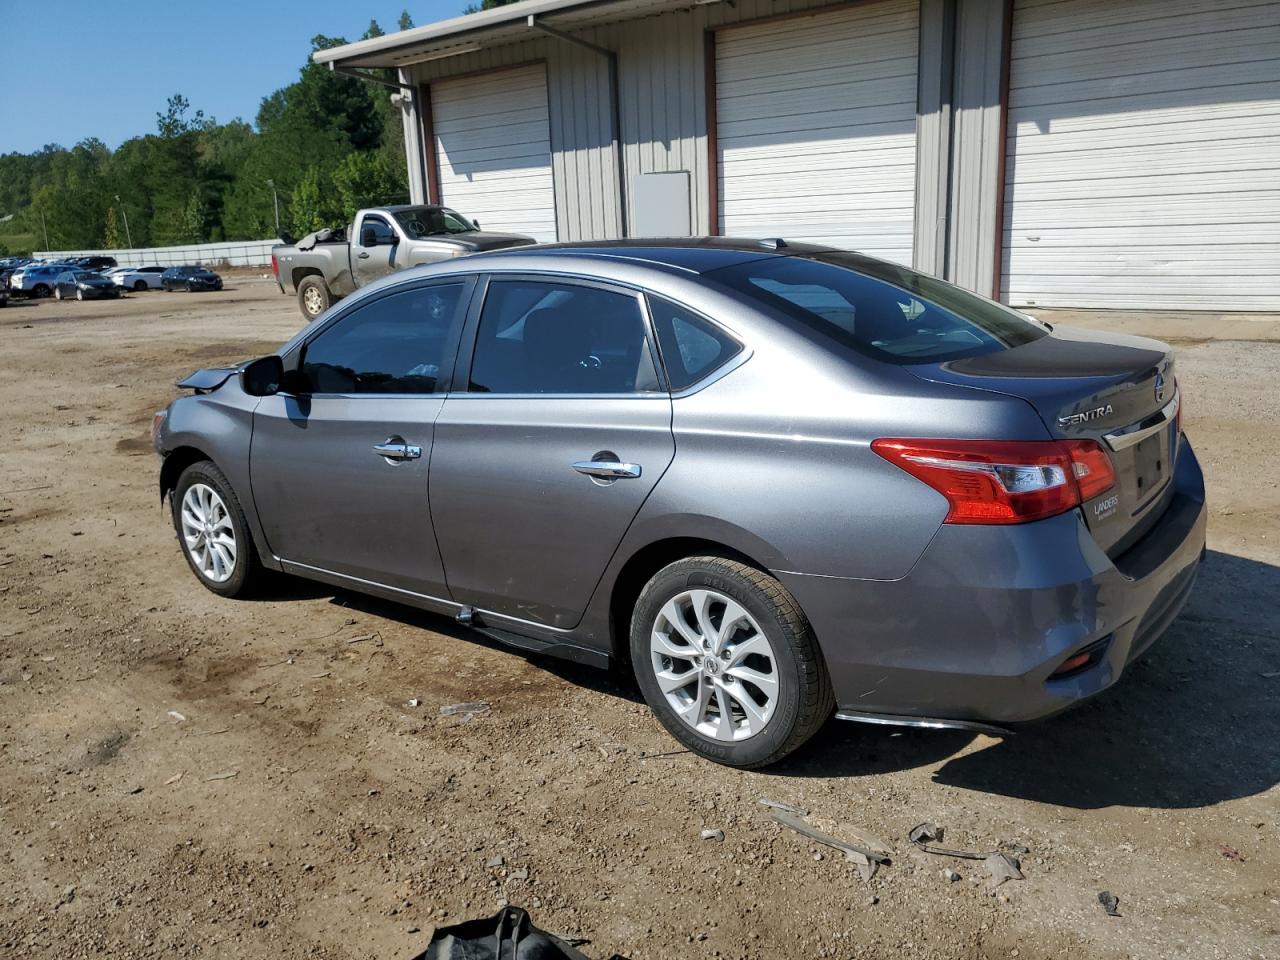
point(313, 297)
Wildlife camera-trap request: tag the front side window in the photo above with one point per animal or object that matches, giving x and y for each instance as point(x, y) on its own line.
point(544, 337)
point(880, 309)
point(394, 344)
point(381, 232)
point(692, 346)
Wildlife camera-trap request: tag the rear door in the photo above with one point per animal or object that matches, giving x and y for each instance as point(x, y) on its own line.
point(339, 464)
point(555, 432)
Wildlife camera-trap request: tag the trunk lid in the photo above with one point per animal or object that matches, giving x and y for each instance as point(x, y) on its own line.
point(1084, 384)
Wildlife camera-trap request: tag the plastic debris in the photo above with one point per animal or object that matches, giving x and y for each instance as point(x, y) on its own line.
point(950, 876)
point(476, 709)
point(1110, 903)
point(413, 702)
point(712, 834)
point(798, 811)
point(174, 779)
point(866, 859)
point(510, 933)
point(1001, 866)
point(175, 716)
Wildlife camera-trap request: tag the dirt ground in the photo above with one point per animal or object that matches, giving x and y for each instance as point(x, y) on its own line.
point(186, 776)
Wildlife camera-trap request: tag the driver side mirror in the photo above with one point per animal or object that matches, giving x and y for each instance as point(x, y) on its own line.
point(262, 377)
point(476, 224)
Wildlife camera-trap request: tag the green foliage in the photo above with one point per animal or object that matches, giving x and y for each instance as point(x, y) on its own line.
point(326, 141)
point(405, 22)
point(112, 234)
point(487, 5)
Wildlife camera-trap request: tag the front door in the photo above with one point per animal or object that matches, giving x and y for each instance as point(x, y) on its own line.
point(373, 249)
point(547, 446)
point(339, 465)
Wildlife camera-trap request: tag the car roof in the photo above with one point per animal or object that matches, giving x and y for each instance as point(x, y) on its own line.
point(692, 254)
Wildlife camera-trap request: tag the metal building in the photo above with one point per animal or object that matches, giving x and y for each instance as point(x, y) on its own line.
point(1076, 153)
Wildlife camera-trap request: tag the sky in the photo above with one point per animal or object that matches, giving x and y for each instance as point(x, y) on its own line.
point(72, 69)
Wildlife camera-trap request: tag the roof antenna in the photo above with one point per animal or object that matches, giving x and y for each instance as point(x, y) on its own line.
point(773, 243)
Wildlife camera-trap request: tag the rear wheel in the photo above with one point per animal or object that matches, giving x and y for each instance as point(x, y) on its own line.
point(139, 285)
point(728, 662)
point(40, 290)
point(313, 296)
point(57, 293)
point(212, 532)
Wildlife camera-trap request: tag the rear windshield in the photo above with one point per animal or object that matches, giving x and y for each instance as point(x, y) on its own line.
point(880, 309)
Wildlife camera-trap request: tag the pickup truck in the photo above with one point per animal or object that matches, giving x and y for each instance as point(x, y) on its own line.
point(325, 266)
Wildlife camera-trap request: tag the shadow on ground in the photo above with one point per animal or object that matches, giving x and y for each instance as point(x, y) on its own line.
point(1192, 724)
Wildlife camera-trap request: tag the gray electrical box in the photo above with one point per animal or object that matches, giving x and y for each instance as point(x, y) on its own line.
point(661, 204)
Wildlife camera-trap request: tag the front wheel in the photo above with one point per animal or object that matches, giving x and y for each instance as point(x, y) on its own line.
point(57, 293)
point(79, 294)
point(728, 662)
point(139, 286)
point(212, 531)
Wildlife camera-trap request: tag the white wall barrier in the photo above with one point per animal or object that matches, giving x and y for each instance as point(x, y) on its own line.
point(236, 253)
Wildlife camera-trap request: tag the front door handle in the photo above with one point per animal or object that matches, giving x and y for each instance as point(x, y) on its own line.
point(394, 450)
point(608, 469)
point(364, 255)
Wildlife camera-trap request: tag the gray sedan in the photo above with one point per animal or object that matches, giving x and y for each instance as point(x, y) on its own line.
point(777, 482)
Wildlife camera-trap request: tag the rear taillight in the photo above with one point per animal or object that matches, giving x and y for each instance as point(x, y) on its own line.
point(275, 267)
point(1004, 481)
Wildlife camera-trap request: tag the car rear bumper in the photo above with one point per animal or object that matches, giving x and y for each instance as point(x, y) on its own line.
point(976, 630)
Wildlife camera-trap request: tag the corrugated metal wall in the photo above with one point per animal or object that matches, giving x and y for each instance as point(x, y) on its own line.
point(662, 91)
point(1143, 161)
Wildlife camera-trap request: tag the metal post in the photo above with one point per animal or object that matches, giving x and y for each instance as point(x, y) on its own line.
point(124, 213)
point(275, 202)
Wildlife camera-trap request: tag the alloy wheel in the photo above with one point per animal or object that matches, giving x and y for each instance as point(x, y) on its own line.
point(714, 664)
point(207, 532)
point(313, 301)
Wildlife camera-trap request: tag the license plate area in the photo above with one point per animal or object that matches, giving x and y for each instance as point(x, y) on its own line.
point(1151, 466)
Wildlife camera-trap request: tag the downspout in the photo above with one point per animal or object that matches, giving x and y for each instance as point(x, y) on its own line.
point(615, 107)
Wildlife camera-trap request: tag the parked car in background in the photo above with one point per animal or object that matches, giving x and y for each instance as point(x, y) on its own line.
point(83, 285)
point(37, 279)
point(138, 278)
point(95, 263)
point(326, 266)
point(190, 278)
point(777, 481)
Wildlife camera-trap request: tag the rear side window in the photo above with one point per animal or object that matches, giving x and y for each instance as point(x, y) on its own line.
point(394, 344)
point(692, 346)
point(544, 337)
point(880, 309)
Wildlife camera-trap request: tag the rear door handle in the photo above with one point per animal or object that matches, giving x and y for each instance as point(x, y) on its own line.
point(608, 469)
point(395, 450)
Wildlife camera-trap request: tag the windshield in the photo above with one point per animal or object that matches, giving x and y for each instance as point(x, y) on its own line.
point(420, 222)
point(880, 309)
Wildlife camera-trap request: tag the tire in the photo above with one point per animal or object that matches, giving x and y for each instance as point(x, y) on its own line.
point(57, 293)
point(79, 294)
point(246, 572)
point(139, 286)
point(801, 699)
point(40, 290)
point(190, 287)
point(314, 297)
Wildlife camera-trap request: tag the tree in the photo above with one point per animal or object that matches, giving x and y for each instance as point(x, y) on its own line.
point(487, 5)
point(112, 238)
point(405, 22)
point(312, 204)
point(367, 180)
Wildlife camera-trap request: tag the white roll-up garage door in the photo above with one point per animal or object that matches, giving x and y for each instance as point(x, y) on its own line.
point(1143, 155)
point(493, 150)
point(816, 128)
